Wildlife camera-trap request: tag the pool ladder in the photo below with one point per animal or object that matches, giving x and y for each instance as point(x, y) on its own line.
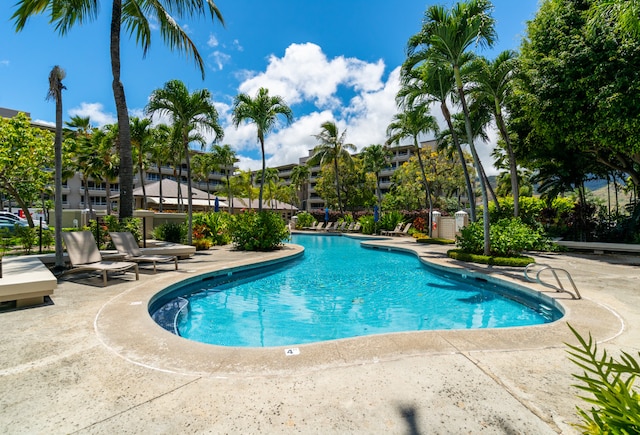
point(554, 271)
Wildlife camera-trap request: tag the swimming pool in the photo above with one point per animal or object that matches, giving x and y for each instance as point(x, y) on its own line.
point(338, 289)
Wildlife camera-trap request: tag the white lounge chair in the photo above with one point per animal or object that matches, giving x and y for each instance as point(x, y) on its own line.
point(84, 256)
point(389, 233)
point(403, 232)
point(126, 244)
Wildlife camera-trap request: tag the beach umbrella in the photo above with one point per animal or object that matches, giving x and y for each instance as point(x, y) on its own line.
point(216, 205)
point(326, 214)
point(376, 214)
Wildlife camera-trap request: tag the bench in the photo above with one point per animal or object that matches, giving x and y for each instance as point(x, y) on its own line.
point(26, 280)
point(600, 247)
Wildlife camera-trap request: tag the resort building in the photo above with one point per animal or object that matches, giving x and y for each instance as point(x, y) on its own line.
point(309, 198)
point(73, 190)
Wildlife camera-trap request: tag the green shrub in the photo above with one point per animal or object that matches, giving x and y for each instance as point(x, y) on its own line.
point(390, 219)
point(509, 237)
point(113, 223)
point(305, 219)
point(519, 261)
point(213, 227)
point(263, 231)
point(369, 226)
point(615, 405)
point(27, 237)
point(171, 232)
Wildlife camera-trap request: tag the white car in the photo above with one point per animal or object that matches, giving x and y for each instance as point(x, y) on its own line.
point(8, 216)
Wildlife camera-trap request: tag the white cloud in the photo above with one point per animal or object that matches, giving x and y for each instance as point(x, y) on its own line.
point(213, 41)
point(42, 122)
point(219, 59)
point(95, 112)
point(4, 62)
point(305, 74)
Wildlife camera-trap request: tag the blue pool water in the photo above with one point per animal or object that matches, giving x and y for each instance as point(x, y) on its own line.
point(339, 289)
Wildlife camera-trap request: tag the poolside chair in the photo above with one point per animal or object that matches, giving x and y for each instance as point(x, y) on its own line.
point(390, 233)
point(403, 232)
point(84, 256)
point(339, 227)
point(356, 228)
point(350, 227)
point(319, 226)
point(126, 244)
point(312, 227)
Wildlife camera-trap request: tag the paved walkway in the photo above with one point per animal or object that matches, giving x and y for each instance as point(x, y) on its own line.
point(93, 362)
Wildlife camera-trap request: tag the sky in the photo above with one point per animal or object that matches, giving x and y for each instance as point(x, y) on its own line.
point(330, 60)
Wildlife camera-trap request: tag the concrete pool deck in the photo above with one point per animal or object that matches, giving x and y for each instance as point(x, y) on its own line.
point(94, 362)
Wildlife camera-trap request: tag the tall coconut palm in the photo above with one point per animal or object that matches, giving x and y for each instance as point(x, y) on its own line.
point(300, 178)
point(56, 76)
point(141, 140)
point(492, 82)
point(134, 15)
point(376, 158)
point(434, 83)
point(445, 38)
point(413, 123)
point(104, 146)
point(161, 153)
point(332, 149)
point(263, 111)
point(224, 157)
point(188, 111)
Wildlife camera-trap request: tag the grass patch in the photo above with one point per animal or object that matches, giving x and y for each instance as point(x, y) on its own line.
point(519, 261)
point(435, 241)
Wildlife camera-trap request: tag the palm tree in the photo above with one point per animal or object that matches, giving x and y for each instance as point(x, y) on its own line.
point(375, 159)
point(141, 140)
point(224, 157)
point(105, 149)
point(271, 178)
point(300, 178)
point(445, 37)
point(135, 16)
point(331, 150)
point(161, 153)
point(243, 183)
point(493, 83)
point(412, 123)
point(263, 111)
point(434, 83)
point(188, 111)
point(56, 76)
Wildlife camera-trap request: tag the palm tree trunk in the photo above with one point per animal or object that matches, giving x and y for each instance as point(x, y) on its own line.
point(160, 187)
point(428, 202)
point(107, 191)
point(141, 175)
point(124, 133)
point(476, 160)
point(189, 199)
point(59, 264)
point(264, 169)
point(335, 166)
point(513, 166)
point(467, 179)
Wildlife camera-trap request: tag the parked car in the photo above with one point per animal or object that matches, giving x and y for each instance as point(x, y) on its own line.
point(11, 224)
point(21, 221)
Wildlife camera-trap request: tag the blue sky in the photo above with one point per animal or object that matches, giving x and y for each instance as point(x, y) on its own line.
point(330, 60)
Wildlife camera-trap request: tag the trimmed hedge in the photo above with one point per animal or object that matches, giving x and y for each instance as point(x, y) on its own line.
point(519, 261)
point(435, 241)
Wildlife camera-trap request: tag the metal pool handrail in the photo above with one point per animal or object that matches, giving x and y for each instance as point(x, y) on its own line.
point(554, 270)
